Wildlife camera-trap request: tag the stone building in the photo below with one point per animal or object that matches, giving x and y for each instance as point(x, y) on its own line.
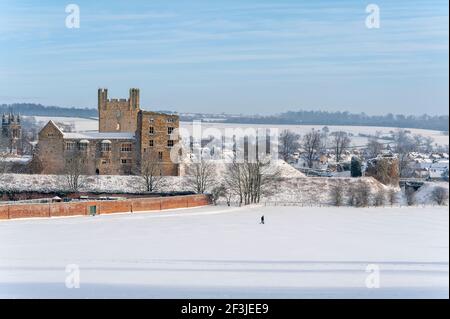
point(127, 138)
point(11, 134)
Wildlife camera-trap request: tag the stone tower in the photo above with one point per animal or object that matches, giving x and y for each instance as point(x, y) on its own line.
point(10, 139)
point(118, 115)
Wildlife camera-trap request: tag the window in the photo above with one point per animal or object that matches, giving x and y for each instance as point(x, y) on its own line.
point(105, 161)
point(171, 120)
point(15, 133)
point(170, 130)
point(83, 146)
point(50, 135)
point(151, 120)
point(106, 147)
point(151, 130)
point(125, 161)
point(151, 143)
point(160, 156)
point(70, 146)
point(170, 143)
point(126, 147)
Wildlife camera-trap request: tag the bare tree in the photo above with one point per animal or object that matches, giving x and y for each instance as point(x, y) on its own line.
point(352, 195)
point(340, 141)
point(440, 195)
point(217, 192)
point(73, 170)
point(404, 145)
point(289, 143)
point(228, 194)
point(362, 194)
point(234, 180)
point(374, 148)
point(428, 144)
point(410, 195)
point(311, 144)
point(337, 194)
point(380, 198)
point(392, 196)
point(251, 180)
point(201, 176)
point(151, 172)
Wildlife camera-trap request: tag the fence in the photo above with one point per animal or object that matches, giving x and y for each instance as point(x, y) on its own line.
point(95, 207)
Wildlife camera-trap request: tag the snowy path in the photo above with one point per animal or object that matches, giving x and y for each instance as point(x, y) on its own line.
point(225, 252)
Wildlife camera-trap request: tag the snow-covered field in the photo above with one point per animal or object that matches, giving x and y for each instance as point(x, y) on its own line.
point(438, 137)
point(82, 124)
point(221, 252)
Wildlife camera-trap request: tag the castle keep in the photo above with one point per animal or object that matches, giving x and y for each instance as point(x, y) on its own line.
point(127, 139)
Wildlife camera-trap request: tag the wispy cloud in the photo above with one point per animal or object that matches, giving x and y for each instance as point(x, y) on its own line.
point(279, 42)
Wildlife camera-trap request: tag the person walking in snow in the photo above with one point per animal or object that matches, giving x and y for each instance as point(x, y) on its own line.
point(262, 219)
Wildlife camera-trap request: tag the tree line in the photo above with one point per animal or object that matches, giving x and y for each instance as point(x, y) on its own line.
point(437, 122)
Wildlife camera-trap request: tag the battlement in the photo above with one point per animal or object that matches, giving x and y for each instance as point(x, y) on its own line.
point(133, 101)
point(118, 114)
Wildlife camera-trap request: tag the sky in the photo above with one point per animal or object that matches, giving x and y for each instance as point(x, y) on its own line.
point(233, 56)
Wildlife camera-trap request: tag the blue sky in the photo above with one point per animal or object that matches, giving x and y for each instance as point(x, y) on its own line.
point(229, 56)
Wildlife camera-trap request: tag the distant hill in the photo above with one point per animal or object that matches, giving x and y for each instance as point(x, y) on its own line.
point(42, 110)
point(437, 122)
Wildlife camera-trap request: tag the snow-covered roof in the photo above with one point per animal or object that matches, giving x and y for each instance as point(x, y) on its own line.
point(16, 159)
point(99, 136)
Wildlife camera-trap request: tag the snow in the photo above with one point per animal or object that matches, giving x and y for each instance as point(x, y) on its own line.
point(293, 188)
point(424, 194)
point(82, 124)
point(99, 136)
point(111, 183)
point(16, 159)
point(222, 252)
point(437, 136)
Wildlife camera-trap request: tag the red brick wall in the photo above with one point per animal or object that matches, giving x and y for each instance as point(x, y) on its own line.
point(4, 212)
point(103, 207)
point(25, 211)
point(110, 207)
point(195, 201)
point(145, 204)
point(63, 209)
point(174, 202)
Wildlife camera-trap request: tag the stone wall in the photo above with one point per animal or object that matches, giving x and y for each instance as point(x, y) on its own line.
point(118, 115)
point(13, 211)
point(50, 149)
point(153, 137)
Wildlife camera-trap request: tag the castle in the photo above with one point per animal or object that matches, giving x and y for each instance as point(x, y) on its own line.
point(128, 137)
point(11, 134)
